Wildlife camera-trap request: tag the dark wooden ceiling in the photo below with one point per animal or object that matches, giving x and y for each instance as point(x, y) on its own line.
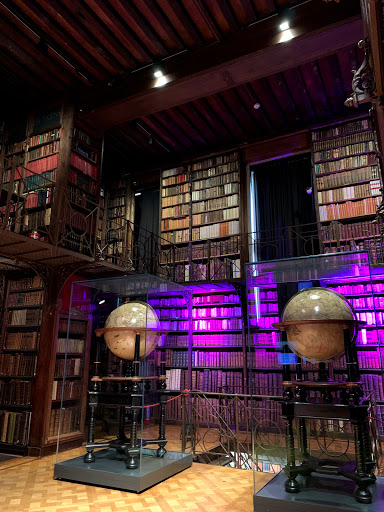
point(52, 45)
point(61, 48)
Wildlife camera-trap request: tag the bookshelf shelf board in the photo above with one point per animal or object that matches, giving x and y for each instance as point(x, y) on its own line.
point(170, 307)
point(40, 206)
point(344, 170)
point(70, 354)
point(262, 329)
point(27, 306)
point(14, 407)
point(166, 318)
point(215, 209)
point(215, 347)
point(200, 240)
point(279, 369)
point(264, 314)
point(172, 348)
point(27, 290)
point(351, 239)
point(268, 347)
point(372, 151)
point(18, 327)
point(42, 157)
point(232, 368)
point(365, 215)
point(175, 229)
point(18, 377)
point(216, 332)
point(20, 350)
point(211, 223)
point(215, 317)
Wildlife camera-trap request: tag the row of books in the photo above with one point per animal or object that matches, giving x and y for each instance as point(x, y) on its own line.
point(43, 164)
point(360, 288)
point(203, 340)
point(215, 381)
point(14, 427)
point(175, 190)
point(266, 338)
point(15, 147)
point(216, 230)
point(27, 283)
point(37, 220)
point(176, 179)
point(342, 129)
point(348, 177)
point(71, 367)
point(38, 198)
point(174, 314)
point(346, 140)
point(176, 237)
point(367, 359)
point(263, 308)
point(337, 231)
point(81, 181)
point(222, 179)
point(216, 204)
point(373, 386)
point(264, 322)
point(214, 192)
point(214, 312)
point(269, 384)
point(200, 358)
point(349, 209)
point(42, 138)
point(371, 317)
point(380, 419)
point(21, 340)
point(343, 151)
point(215, 216)
point(68, 419)
point(346, 163)
point(80, 134)
point(175, 200)
point(16, 392)
point(42, 151)
point(340, 194)
point(77, 243)
point(212, 162)
point(72, 390)
point(114, 201)
point(173, 172)
point(25, 299)
point(17, 365)
point(367, 302)
point(370, 337)
point(217, 269)
point(33, 181)
point(230, 298)
point(216, 171)
point(261, 294)
point(76, 326)
point(84, 150)
point(69, 345)
point(180, 223)
point(80, 198)
point(180, 210)
point(215, 325)
point(24, 317)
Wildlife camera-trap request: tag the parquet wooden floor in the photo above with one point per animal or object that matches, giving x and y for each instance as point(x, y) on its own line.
point(28, 486)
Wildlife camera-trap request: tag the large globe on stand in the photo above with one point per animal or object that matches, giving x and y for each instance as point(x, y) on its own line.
point(312, 337)
point(133, 318)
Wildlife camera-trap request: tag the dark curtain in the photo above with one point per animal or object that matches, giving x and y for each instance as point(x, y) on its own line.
point(146, 245)
point(147, 210)
point(282, 201)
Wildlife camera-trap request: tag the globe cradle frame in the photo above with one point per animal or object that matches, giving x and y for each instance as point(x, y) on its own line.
point(314, 320)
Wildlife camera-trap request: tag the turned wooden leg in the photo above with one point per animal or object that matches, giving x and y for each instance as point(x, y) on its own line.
point(90, 456)
point(291, 485)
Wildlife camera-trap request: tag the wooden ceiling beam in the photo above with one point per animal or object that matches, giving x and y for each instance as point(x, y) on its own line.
point(320, 29)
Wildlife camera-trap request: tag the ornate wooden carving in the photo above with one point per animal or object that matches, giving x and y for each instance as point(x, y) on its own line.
point(363, 81)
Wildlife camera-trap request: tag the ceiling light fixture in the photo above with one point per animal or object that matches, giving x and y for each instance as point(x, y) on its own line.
point(162, 80)
point(157, 73)
point(101, 301)
point(284, 26)
point(138, 194)
point(256, 106)
point(286, 36)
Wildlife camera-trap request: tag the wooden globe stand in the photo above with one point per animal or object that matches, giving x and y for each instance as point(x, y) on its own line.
point(347, 408)
point(130, 395)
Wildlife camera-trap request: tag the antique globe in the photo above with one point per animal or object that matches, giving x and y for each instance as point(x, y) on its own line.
point(133, 318)
point(309, 334)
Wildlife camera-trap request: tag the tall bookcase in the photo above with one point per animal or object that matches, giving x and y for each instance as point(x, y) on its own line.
point(347, 181)
point(20, 340)
point(51, 150)
point(201, 213)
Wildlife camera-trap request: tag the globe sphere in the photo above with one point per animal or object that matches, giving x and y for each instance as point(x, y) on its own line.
point(136, 318)
point(317, 341)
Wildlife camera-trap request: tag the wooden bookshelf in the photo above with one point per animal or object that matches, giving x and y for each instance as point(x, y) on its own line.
point(200, 212)
point(347, 182)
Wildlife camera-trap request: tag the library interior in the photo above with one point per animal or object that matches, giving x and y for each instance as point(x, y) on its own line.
point(192, 255)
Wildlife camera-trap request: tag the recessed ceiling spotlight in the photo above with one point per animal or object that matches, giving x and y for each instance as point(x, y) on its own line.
point(256, 106)
point(162, 80)
point(284, 26)
point(138, 194)
point(157, 73)
point(101, 301)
